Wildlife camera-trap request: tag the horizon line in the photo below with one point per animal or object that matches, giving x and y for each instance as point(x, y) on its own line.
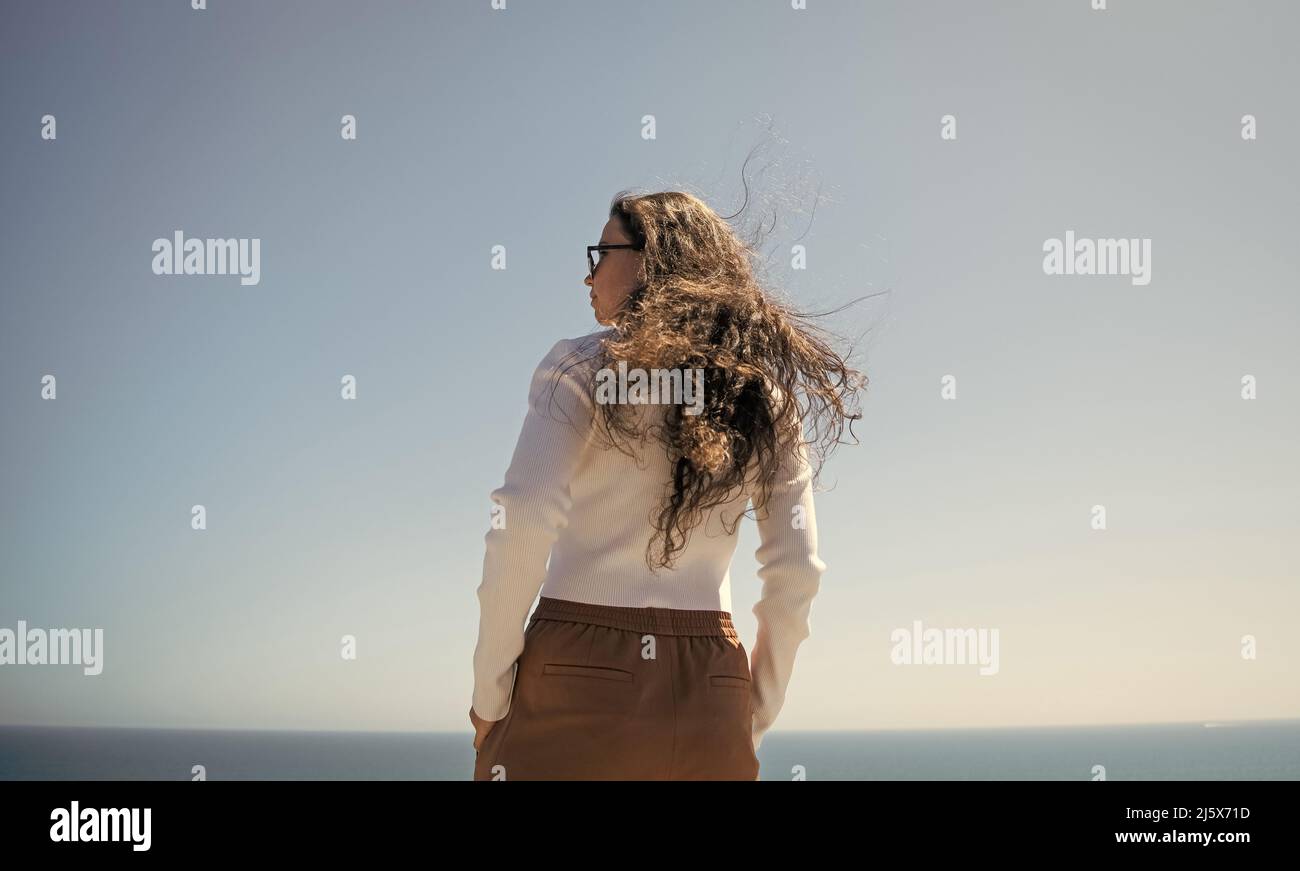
point(294, 731)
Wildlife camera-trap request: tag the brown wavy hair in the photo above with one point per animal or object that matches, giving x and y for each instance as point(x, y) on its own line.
point(768, 371)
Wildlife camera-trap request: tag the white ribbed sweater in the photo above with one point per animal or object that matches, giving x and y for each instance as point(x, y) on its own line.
point(589, 508)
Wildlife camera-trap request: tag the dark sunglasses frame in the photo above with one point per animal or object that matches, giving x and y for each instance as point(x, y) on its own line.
point(591, 262)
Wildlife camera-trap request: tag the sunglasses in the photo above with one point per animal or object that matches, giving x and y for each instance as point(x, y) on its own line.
point(594, 252)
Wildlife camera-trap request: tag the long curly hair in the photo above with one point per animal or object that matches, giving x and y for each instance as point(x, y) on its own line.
point(767, 371)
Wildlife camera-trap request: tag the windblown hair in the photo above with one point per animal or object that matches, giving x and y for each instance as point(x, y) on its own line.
point(768, 373)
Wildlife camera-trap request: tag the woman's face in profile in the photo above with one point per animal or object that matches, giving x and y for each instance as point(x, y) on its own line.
point(617, 273)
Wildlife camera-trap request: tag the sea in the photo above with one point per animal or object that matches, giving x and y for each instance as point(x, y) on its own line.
point(1234, 750)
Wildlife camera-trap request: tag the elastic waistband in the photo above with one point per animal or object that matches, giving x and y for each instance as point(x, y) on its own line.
point(657, 621)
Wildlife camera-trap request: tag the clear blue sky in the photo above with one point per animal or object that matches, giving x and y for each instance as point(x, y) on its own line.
point(479, 128)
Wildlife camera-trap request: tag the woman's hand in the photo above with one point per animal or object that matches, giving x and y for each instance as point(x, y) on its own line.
point(481, 727)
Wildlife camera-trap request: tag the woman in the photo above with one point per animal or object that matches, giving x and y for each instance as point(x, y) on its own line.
point(630, 667)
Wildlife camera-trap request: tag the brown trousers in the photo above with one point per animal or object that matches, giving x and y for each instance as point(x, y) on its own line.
point(609, 693)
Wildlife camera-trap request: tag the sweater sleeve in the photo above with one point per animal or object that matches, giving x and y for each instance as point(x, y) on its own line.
point(534, 503)
point(791, 573)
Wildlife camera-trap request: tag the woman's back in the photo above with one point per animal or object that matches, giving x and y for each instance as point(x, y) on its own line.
point(589, 507)
point(631, 665)
point(599, 555)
